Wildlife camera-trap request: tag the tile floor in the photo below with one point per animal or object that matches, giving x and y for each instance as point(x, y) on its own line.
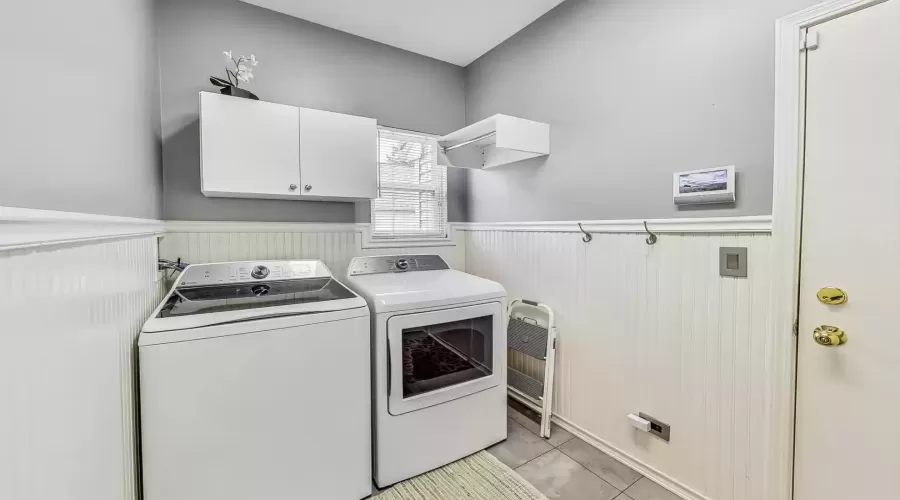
point(564, 467)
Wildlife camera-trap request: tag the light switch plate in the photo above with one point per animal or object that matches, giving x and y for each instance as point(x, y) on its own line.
point(733, 262)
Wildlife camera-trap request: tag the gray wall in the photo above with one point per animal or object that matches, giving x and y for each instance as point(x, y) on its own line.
point(80, 123)
point(301, 64)
point(633, 90)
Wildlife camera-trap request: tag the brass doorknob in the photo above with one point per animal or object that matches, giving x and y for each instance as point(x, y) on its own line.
point(829, 336)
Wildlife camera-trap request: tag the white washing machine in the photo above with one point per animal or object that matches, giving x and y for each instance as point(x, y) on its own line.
point(439, 362)
point(255, 383)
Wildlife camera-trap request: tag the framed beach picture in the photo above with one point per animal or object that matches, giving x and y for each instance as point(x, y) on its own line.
point(708, 185)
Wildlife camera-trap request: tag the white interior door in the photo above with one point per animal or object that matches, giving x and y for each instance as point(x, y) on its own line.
point(848, 395)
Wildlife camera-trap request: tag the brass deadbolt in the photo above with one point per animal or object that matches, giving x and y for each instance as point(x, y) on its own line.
point(832, 296)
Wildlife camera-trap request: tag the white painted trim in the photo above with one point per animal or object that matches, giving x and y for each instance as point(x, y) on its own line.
point(658, 477)
point(409, 131)
point(26, 227)
point(443, 242)
point(369, 242)
point(31, 228)
point(746, 224)
point(305, 227)
point(183, 226)
point(778, 437)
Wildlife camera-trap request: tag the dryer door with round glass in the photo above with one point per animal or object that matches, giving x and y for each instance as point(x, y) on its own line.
point(439, 356)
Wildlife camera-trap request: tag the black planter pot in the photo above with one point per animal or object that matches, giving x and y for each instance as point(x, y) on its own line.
point(236, 92)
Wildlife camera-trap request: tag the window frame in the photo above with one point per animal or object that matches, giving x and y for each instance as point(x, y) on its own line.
point(371, 241)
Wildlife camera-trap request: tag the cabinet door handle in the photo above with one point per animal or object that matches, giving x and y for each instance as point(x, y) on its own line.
point(308, 187)
point(293, 187)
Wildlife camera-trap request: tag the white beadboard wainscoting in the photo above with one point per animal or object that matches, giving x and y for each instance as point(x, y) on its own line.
point(334, 244)
point(71, 313)
point(651, 329)
point(642, 328)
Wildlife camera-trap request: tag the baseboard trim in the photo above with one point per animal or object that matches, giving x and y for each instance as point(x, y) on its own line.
point(660, 478)
point(23, 228)
point(745, 224)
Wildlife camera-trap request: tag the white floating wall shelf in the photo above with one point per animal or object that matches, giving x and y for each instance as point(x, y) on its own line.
point(494, 141)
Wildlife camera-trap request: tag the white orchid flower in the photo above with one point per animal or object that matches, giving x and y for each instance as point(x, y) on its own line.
point(243, 68)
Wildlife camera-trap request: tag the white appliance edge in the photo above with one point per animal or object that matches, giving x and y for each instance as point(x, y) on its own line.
point(265, 401)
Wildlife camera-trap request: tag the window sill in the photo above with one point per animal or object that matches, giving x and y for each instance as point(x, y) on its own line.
point(369, 242)
point(409, 243)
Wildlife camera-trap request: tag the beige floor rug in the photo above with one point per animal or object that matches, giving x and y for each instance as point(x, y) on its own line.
point(478, 477)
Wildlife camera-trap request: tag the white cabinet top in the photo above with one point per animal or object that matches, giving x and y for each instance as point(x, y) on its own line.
point(494, 141)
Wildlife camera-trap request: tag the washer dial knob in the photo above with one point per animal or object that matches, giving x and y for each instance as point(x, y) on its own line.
point(259, 272)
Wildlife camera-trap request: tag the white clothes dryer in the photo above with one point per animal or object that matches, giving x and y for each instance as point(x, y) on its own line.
point(439, 362)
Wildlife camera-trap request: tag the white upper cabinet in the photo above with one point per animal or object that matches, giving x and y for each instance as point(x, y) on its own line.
point(257, 149)
point(494, 141)
point(248, 149)
point(338, 155)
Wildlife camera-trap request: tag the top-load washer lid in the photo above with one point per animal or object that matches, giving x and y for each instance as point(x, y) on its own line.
point(409, 282)
point(233, 292)
point(186, 301)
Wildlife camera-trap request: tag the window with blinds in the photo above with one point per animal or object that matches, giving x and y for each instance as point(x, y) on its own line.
point(412, 188)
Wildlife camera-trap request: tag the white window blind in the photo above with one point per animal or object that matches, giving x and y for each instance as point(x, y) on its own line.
point(412, 188)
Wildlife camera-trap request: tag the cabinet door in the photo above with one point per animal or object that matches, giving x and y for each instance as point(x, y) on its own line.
point(338, 155)
point(249, 148)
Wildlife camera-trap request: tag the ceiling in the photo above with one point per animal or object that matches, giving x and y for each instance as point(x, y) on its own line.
point(455, 31)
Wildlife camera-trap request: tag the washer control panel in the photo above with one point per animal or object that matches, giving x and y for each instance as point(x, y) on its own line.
point(396, 264)
point(252, 271)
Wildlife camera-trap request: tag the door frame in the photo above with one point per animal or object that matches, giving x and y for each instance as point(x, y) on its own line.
point(787, 192)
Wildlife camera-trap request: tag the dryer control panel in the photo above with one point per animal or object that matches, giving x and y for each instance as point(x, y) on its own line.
point(396, 264)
